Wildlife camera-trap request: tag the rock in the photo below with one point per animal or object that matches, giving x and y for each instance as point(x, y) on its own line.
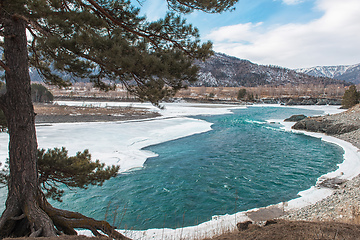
point(322, 102)
point(269, 222)
point(295, 118)
point(323, 125)
point(341, 128)
point(307, 102)
point(243, 225)
point(291, 102)
point(314, 124)
point(333, 183)
point(334, 102)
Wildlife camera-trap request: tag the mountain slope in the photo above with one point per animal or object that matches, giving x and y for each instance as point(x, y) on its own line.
point(348, 73)
point(221, 70)
point(226, 71)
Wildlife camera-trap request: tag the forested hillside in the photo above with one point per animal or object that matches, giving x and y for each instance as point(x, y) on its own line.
point(226, 71)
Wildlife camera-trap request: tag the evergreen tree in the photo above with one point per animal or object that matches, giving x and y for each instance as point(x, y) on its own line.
point(39, 93)
point(350, 98)
point(241, 94)
point(95, 39)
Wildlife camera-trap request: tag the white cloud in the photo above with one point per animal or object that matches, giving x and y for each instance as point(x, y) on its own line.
point(333, 39)
point(237, 32)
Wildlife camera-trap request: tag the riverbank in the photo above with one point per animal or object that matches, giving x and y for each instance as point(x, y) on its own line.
point(345, 125)
point(343, 204)
point(55, 113)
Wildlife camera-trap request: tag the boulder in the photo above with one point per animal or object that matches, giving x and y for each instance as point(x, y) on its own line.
point(243, 225)
point(295, 118)
point(320, 124)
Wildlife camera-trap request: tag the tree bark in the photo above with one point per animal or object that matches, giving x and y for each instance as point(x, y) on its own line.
point(23, 185)
point(27, 212)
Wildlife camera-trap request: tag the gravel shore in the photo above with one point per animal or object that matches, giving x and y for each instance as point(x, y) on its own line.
point(344, 204)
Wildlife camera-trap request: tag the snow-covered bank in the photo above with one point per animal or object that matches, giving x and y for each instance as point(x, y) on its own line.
point(326, 109)
point(347, 170)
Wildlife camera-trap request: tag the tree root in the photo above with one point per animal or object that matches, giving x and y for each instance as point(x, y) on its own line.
point(40, 223)
point(6, 221)
point(22, 216)
point(68, 221)
point(43, 220)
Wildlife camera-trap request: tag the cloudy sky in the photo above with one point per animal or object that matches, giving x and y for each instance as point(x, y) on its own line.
point(287, 33)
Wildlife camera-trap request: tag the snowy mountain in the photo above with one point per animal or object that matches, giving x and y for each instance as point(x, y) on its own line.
point(348, 73)
point(226, 71)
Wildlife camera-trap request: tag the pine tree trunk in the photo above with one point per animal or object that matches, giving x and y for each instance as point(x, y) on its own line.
point(27, 211)
point(23, 186)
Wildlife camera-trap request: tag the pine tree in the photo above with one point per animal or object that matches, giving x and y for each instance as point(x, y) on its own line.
point(95, 39)
point(350, 98)
point(241, 94)
point(39, 93)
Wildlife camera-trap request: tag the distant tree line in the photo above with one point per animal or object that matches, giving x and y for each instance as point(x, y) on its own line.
point(243, 94)
point(259, 92)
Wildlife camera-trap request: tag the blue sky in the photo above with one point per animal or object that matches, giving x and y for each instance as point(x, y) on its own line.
point(287, 33)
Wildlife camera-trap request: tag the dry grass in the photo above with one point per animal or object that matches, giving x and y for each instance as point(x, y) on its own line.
point(292, 230)
point(53, 109)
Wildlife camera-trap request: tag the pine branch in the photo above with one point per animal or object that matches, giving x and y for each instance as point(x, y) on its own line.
point(100, 63)
point(107, 15)
point(148, 36)
point(35, 25)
